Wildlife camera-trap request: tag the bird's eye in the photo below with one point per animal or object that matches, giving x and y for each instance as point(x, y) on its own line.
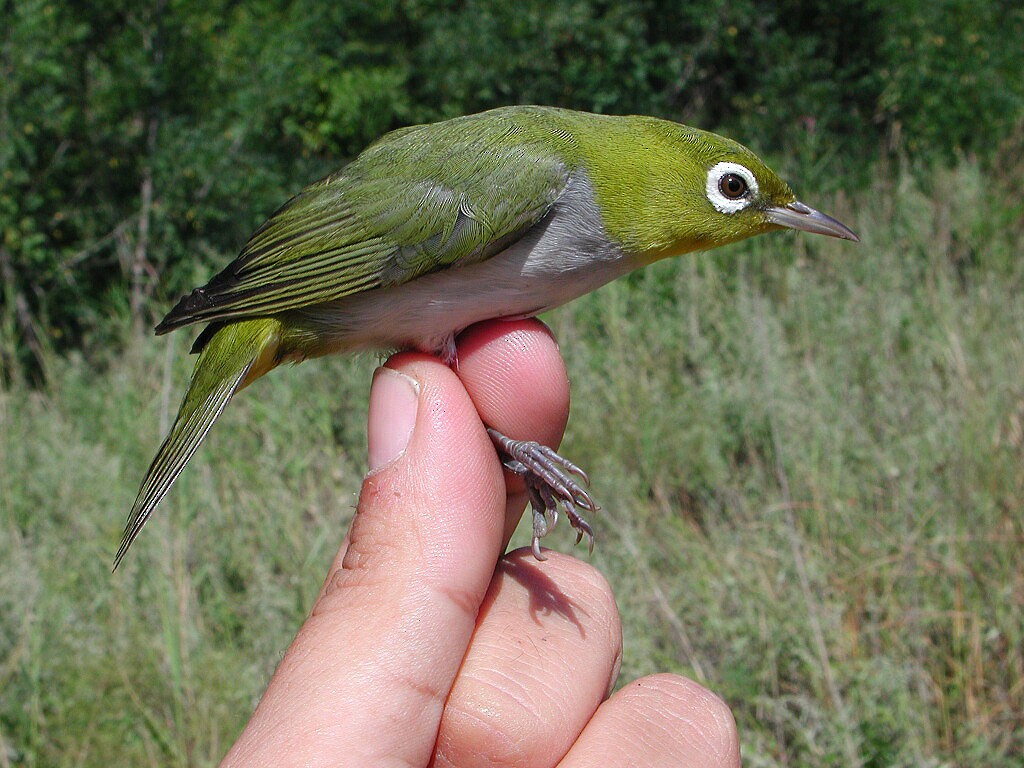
point(730, 187)
point(733, 186)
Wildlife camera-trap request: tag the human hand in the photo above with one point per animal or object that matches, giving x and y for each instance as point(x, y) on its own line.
point(426, 646)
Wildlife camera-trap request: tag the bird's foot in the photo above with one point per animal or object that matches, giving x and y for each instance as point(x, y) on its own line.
point(551, 482)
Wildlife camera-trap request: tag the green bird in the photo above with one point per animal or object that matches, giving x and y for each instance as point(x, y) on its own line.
point(503, 214)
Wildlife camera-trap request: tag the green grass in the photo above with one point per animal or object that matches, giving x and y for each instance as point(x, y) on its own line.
point(810, 454)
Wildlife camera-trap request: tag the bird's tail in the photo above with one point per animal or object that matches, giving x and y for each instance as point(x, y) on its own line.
point(233, 356)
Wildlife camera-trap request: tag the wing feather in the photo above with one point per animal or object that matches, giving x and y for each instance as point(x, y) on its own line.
point(419, 200)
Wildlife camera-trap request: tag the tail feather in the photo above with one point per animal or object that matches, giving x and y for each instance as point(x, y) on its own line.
point(235, 355)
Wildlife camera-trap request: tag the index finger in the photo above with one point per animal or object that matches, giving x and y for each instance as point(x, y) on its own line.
point(515, 375)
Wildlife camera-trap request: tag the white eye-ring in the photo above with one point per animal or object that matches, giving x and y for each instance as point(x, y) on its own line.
point(730, 187)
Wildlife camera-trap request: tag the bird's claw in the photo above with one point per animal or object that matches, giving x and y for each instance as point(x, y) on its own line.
point(551, 484)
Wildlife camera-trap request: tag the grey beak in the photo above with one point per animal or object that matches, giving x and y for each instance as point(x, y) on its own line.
point(796, 215)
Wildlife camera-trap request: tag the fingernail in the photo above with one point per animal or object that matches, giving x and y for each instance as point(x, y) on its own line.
point(394, 400)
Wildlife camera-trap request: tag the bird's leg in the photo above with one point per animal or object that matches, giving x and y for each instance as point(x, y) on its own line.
point(549, 478)
point(551, 483)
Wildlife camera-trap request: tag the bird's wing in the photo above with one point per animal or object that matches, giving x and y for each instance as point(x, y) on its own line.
point(417, 201)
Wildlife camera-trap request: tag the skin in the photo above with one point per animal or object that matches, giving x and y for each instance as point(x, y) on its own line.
point(427, 646)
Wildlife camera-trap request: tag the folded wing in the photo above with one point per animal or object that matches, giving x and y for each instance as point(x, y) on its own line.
point(420, 199)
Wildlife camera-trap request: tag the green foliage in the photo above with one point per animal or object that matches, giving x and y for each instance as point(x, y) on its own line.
point(951, 76)
point(140, 144)
point(881, 383)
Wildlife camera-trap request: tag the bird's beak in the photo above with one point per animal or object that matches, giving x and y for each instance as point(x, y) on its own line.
point(796, 215)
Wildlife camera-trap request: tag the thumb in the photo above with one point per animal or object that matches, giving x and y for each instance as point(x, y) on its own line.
point(389, 631)
point(433, 485)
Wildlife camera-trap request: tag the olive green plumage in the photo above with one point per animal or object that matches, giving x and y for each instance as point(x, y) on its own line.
point(500, 214)
point(435, 196)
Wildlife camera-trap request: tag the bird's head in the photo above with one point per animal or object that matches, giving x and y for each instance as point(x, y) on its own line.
point(685, 189)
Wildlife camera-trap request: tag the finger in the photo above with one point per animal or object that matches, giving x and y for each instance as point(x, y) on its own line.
point(515, 375)
point(662, 720)
point(385, 639)
point(544, 655)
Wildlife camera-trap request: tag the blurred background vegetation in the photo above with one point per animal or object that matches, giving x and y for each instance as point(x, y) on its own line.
point(824, 523)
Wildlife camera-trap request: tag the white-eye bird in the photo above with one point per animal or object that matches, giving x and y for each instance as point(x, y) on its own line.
point(503, 214)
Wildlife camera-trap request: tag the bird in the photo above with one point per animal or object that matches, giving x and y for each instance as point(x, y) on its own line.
point(506, 213)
